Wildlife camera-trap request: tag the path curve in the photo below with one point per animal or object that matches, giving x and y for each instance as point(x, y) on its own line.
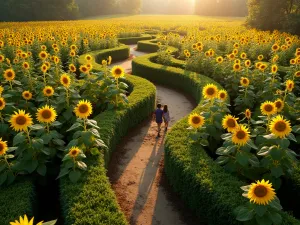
point(136, 169)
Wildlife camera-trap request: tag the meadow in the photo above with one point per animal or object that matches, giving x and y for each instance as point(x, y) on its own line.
point(64, 109)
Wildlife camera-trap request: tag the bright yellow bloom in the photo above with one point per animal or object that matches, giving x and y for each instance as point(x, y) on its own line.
point(24, 221)
point(241, 135)
point(26, 65)
point(222, 95)
point(46, 114)
point(260, 57)
point(248, 114)
point(237, 67)
point(9, 75)
point(268, 108)
point(48, 91)
point(65, 80)
point(274, 69)
point(219, 59)
point(290, 85)
point(84, 69)
point(244, 81)
point(3, 147)
point(74, 152)
point(261, 193)
point(210, 91)
point(88, 58)
point(279, 105)
point(72, 68)
point(43, 55)
point(27, 95)
point(83, 109)
point(20, 121)
point(230, 123)
point(196, 121)
point(2, 103)
point(280, 127)
point(117, 72)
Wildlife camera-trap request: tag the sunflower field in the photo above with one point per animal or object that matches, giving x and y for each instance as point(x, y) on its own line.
point(244, 133)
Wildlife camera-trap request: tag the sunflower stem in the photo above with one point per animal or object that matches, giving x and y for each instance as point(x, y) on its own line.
point(48, 128)
point(10, 84)
point(67, 97)
point(2, 120)
point(28, 136)
point(84, 124)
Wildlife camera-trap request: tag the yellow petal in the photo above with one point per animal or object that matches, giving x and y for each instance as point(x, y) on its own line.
point(31, 221)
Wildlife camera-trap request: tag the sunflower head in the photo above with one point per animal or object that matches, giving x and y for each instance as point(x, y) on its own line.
point(3, 147)
point(268, 108)
point(65, 80)
point(274, 69)
point(72, 53)
point(2, 57)
point(83, 109)
point(74, 152)
point(222, 95)
point(248, 63)
point(44, 68)
point(237, 67)
point(26, 65)
point(280, 127)
point(43, 55)
point(241, 135)
point(210, 91)
point(243, 55)
point(1, 90)
point(260, 57)
point(88, 58)
point(46, 114)
point(20, 121)
point(2, 103)
point(24, 221)
point(230, 123)
point(290, 85)
point(244, 81)
point(262, 67)
point(117, 72)
point(84, 69)
point(248, 114)
point(279, 105)
point(27, 95)
point(48, 91)
point(261, 193)
point(109, 60)
point(297, 74)
point(196, 121)
point(9, 74)
point(292, 61)
point(275, 47)
point(219, 59)
point(72, 68)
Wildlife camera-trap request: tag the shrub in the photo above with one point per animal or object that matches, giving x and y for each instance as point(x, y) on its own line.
point(134, 40)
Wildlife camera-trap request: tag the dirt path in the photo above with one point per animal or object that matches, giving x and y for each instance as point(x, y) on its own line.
point(136, 170)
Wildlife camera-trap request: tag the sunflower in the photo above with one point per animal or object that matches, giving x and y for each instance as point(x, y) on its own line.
point(257, 65)
point(44, 68)
point(72, 53)
point(2, 103)
point(83, 109)
point(237, 61)
point(280, 127)
point(268, 108)
point(26, 65)
point(248, 63)
point(24, 221)
point(27, 95)
point(222, 95)
point(260, 57)
point(244, 81)
point(73, 47)
point(9, 75)
point(235, 51)
point(230, 123)
point(56, 60)
point(290, 85)
point(188, 54)
point(275, 58)
point(241, 135)
point(46, 114)
point(262, 67)
point(74, 152)
point(20, 121)
point(292, 61)
point(248, 114)
point(261, 193)
point(43, 55)
point(231, 56)
point(24, 55)
point(117, 72)
point(297, 74)
point(1, 90)
point(196, 121)
point(72, 68)
point(109, 60)
point(243, 55)
point(3, 147)
point(43, 47)
point(279, 105)
point(88, 58)
point(219, 59)
point(274, 69)
point(84, 69)
point(65, 80)
point(275, 47)
point(237, 67)
point(210, 91)
point(48, 91)
point(2, 58)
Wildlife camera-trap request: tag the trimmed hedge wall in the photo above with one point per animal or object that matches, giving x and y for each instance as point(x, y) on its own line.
point(206, 187)
point(148, 46)
point(92, 200)
point(134, 40)
point(16, 200)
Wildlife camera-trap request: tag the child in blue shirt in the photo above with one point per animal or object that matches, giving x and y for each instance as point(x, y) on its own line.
point(158, 115)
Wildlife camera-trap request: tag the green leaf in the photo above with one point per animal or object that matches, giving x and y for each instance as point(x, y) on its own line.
point(292, 137)
point(74, 175)
point(246, 188)
point(222, 160)
point(72, 143)
point(95, 132)
point(53, 222)
point(68, 114)
point(10, 178)
point(251, 144)
point(58, 142)
point(74, 126)
point(277, 171)
point(3, 178)
point(87, 138)
point(270, 136)
point(275, 204)
point(276, 218)
point(62, 173)
point(92, 123)
point(195, 136)
point(31, 166)
point(204, 142)
point(42, 169)
point(56, 124)
point(10, 156)
point(95, 151)
point(284, 143)
point(11, 149)
point(263, 151)
point(81, 165)
point(37, 143)
point(19, 138)
point(66, 157)
point(260, 209)
point(100, 143)
point(275, 153)
point(263, 220)
point(242, 158)
point(37, 127)
point(244, 214)
point(46, 138)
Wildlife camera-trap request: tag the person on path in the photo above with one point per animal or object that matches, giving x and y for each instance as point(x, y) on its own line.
point(158, 116)
point(166, 116)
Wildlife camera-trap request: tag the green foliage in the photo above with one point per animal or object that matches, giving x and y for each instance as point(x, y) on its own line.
point(148, 46)
point(134, 40)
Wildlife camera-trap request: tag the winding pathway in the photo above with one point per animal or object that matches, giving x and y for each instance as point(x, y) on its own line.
point(136, 169)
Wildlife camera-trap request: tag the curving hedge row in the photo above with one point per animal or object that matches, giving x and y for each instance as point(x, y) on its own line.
point(134, 40)
point(92, 201)
point(206, 187)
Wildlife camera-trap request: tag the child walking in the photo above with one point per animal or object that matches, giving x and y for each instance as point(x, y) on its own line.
point(158, 115)
point(166, 116)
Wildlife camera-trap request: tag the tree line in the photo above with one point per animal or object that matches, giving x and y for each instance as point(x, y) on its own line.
point(28, 10)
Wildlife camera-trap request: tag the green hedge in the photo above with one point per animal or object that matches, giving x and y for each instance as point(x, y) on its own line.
point(16, 200)
point(118, 53)
point(148, 46)
point(207, 189)
point(134, 40)
point(92, 201)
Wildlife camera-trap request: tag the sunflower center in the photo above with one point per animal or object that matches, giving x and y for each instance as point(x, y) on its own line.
point(231, 123)
point(245, 81)
point(74, 152)
point(84, 69)
point(65, 80)
point(196, 120)
point(46, 114)
point(278, 105)
point(48, 91)
point(1, 147)
point(241, 134)
point(222, 95)
point(21, 120)
point(268, 108)
point(280, 126)
point(83, 108)
point(210, 91)
point(9, 74)
point(118, 71)
point(1, 103)
point(260, 191)
point(290, 86)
